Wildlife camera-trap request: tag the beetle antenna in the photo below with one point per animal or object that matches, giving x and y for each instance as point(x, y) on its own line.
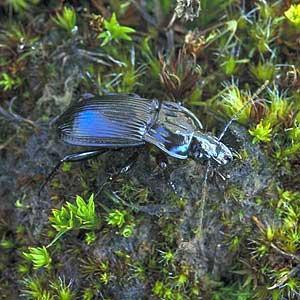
point(237, 114)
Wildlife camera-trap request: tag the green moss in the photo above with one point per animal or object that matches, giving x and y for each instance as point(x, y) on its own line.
point(8, 83)
point(234, 192)
point(21, 5)
point(263, 71)
point(261, 133)
point(115, 31)
point(293, 14)
point(39, 256)
point(66, 19)
point(213, 65)
point(116, 218)
point(233, 100)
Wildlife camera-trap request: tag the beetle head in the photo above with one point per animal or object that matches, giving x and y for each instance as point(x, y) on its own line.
point(204, 146)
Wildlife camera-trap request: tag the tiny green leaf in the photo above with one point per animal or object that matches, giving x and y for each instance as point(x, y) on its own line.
point(262, 133)
point(39, 256)
point(115, 31)
point(67, 19)
point(293, 14)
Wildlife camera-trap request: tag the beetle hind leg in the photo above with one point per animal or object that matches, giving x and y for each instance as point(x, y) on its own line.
point(79, 156)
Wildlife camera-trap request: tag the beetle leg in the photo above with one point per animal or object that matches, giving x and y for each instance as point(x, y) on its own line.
point(128, 164)
point(221, 175)
point(72, 158)
point(162, 160)
point(204, 196)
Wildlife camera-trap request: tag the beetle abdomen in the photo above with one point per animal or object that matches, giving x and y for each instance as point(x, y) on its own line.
point(107, 121)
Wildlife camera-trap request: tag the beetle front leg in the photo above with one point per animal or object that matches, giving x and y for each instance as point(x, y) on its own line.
point(162, 167)
point(84, 155)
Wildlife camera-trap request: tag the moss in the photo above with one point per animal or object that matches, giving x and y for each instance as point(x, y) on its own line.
point(138, 238)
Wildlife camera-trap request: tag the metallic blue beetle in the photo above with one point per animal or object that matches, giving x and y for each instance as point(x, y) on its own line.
point(119, 120)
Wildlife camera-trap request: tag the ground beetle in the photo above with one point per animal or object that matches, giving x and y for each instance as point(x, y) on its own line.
point(119, 120)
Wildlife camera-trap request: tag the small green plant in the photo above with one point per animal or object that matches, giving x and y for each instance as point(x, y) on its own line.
point(138, 270)
point(279, 241)
point(260, 250)
point(167, 257)
point(84, 212)
point(280, 107)
point(39, 256)
point(104, 278)
point(294, 132)
point(163, 290)
point(116, 218)
point(261, 133)
point(62, 290)
point(88, 294)
point(130, 78)
point(263, 71)
point(90, 237)
point(293, 14)
point(231, 63)
point(127, 230)
point(158, 288)
point(81, 215)
point(21, 5)
point(6, 244)
point(66, 19)
point(287, 283)
point(181, 280)
point(66, 167)
point(130, 191)
point(233, 102)
point(150, 57)
point(234, 292)
point(233, 192)
point(8, 83)
point(23, 269)
point(235, 243)
point(115, 31)
point(122, 220)
point(263, 35)
point(33, 289)
point(93, 266)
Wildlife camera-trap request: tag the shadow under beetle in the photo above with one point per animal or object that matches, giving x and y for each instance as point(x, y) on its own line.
point(118, 120)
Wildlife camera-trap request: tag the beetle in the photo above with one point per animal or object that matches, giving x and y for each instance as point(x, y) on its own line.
point(116, 121)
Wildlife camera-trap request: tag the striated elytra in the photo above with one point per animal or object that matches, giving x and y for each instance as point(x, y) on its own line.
point(119, 120)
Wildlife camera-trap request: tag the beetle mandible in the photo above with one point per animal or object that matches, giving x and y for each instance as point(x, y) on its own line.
point(127, 120)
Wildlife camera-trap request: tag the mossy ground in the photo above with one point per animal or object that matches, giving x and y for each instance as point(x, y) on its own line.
point(138, 239)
